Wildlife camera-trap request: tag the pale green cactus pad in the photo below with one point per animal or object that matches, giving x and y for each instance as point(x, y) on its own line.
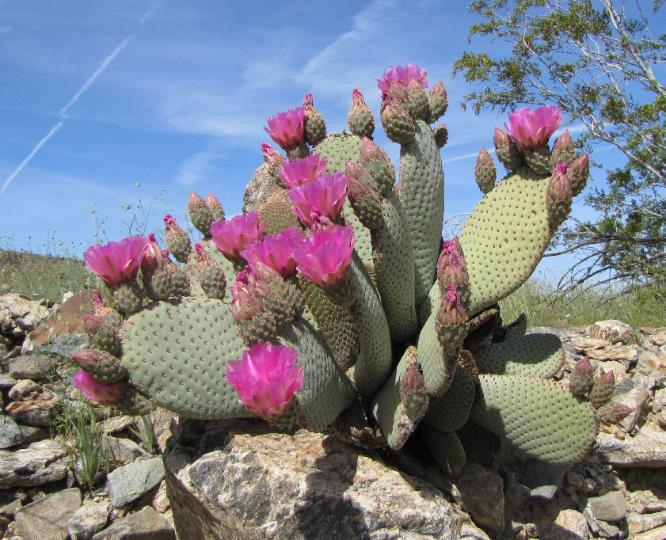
point(177, 353)
point(536, 416)
point(540, 355)
point(446, 449)
point(505, 237)
point(451, 411)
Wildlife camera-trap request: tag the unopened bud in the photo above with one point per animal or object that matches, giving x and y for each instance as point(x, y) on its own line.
point(438, 101)
point(507, 150)
point(360, 118)
point(602, 388)
point(178, 241)
point(200, 214)
point(485, 171)
point(215, 206)
point(581, 377)
point(578, 173)
point(563, 149)
point(103, 366)
point(315, 126)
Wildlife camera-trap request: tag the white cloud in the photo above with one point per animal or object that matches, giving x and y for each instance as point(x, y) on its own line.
point(200, 166)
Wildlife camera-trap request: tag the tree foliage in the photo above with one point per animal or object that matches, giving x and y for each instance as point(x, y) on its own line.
point(596, 60)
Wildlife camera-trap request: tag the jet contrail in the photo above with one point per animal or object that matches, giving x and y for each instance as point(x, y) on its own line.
point(62, 113)
point(466, 156)
point(31, 155)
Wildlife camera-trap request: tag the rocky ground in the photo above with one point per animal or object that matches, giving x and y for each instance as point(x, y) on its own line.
point(238, 479)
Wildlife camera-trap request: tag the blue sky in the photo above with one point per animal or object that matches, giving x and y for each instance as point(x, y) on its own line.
point(174, 96)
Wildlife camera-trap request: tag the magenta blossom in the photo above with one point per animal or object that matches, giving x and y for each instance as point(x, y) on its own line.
point(296, 172)
point(96, 391)
point(532, 128)
point(287, 128)
point(233, 235)
point(403, 75)
point(320, 200)
point(116, 262)
point(325, 257)
point(266, 378)
point(276, 251)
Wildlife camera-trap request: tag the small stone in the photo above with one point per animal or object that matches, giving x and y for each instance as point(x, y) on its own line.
point(646, 450)
point(40, 463)
point(36, 367)
point(638, 523)
point(546, 492)
point(33, 434)
point(48, 517)
point(146, 523)
point(22, 388)
point(661, 419)
point(608, 507)
point(117, 423)
point(11, 508)
point(129, 482)
point(90, 518)
point(162, 420)
point(654, 534)
point(586, 344)
point(568, 525)
point(161, 500)
point(121, 451)
point(6, 382)
point(482, 494)
point(612, 331)
point(635, 400)
point(659, 401)
point(18, 316)
point(10, 432)
point(628, 353)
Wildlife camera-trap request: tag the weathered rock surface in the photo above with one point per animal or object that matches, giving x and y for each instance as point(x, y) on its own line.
point(146, 524)
point(482, 495)
point(36, 367)
point(18, 316)
point(647, 449)
point(610, 506)
point(40, 463)
point(10, 432)
point(47, 518)
point(613, 331)
point(129, 482)
point(243, 481)
point(639, 523)
point(569, 525)
point(88, 519)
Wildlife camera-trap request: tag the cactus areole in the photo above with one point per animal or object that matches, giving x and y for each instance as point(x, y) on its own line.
point(332, 303)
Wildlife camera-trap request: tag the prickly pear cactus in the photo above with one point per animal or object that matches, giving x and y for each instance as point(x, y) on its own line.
point(332, 296)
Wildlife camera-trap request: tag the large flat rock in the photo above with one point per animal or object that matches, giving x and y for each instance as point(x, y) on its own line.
point(646, 450)
point(244, 481)
point(40, 463)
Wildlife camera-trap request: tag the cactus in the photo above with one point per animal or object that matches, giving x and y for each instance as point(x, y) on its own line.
point(331, 303)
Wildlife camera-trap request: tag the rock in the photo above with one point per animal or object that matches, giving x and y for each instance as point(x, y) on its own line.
point(600, 528)
point(636, 399)
point(146, 524)
point(628, 353)
point(117, 423)
point(11, 508)
point(23, 388)
point(6, 382)
point(129, 482)
point(90, 518)
point(646, 450)
point(10, 432)
point(36, 412)
point(67, 319)
point(19, 316)
point(121, 451)
point(610, 506)
point(659, 401)
point(568, 525)
point(36, 367)
point(245, 481)
point(32, 434)
point(47, 518)
point(612, 331)
point(161, 499)
point(585, 344)
point(618, 368)
point(470, 532)
point(40, 463)
point(482, 495)
point(654, 534)
point(638, 523)
point(61, 345)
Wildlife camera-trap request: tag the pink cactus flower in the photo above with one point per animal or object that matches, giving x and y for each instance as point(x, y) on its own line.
point(95, 391)
point(561, 168)
point(116, 262)
point(287, 128)
point(532, 128)
point(320, 200)
point(276, 251)
point(403, 75)
point(296, 172)
point(266, 378)
point(233, 235)
point(325, 257)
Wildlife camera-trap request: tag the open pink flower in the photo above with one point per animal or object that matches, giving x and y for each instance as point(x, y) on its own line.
point(287, 128)
point(532, 128)
point(233, 235)
point(325, 257)
point(96, 391)
point(296, 172)
point(403, 75)
point(276, 251)
point(116, 262)
point(323, 198)
point(266, 378)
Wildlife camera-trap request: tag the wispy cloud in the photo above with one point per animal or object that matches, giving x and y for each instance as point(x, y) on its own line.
point(200, 166)
point(62, 113)
point(463, 157)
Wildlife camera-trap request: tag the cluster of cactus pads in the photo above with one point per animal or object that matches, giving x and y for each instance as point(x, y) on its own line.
point(332, 303)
